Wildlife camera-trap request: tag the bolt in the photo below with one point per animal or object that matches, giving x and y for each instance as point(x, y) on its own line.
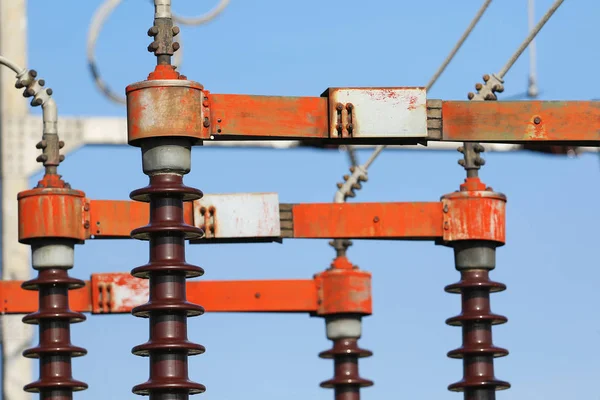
point(349, 106)
point(205, 103)
point(42, 82)
point(446, 226)
point(86, 207)
point(537, 120)
point(176, 46)
point(376, 219)
point(33, 73)
point(49, 91)
point(489, 189)
point(153, 31)
point(176, 30)
point(257, 295)
point(61, 158)
point(219, 120)
point(206, 122)
point(471, 95)
point(61, 144)
point(478, 86)
point(339, 106)
point(86, 225)
point(486, 78)
point(445, 208)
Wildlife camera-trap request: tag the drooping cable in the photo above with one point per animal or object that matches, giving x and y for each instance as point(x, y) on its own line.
point(503, 71)
point(99, 19)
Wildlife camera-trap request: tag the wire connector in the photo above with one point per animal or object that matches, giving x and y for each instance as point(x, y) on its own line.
point(33, 87)
point(487, 91)
point(352, 183)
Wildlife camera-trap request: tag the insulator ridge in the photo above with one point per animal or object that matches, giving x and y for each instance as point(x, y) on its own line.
point(54, 349)
point(477, 350)
point(168, 346)
point(346, 381)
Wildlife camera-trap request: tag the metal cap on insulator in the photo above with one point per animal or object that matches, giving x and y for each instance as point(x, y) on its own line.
point(166, 105)
point(343, 327)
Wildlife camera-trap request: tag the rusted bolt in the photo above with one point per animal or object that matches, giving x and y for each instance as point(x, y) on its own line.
point(537, 120)
point(205, 103)
point(489, 189)
point(176, 46)
point(206, 122)
point(445, 208)
point(349, 106)
point(86, 225)
point(153, 31)
point(478, 86)
point(202, 210)
point(339, 106)
point(86, 207)
point(376, 219)
point(446, 226)
point(471, 95)
point(257, 295)
point(175, 30)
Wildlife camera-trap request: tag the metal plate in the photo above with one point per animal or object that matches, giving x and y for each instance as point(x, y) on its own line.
point(238, 215)
point(381, 112)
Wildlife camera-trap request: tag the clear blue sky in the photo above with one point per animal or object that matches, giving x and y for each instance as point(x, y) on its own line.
point(550, 262)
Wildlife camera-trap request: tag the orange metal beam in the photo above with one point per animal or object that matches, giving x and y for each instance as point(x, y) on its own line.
point(421, 221)
point(120, 292)
point(576, 122)
point(269, 116)
point(114, 219)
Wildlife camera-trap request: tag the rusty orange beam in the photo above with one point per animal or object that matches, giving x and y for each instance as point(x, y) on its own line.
point(275, 117)
point(119, 292)
point(576, 122)
point(114, 219)
point(421, 221)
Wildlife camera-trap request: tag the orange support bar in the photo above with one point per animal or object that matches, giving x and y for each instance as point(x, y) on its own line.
point(576, 122)
point(368, 220)
point(120, 292)
point(114, 219)
point(396, 221)
point(274, 117)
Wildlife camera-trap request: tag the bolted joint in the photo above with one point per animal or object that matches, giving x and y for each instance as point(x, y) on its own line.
point(163, 32)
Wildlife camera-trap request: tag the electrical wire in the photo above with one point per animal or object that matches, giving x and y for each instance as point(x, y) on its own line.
point(99, 19)
point(7, 63)
point(441, 69)
point(504, 69)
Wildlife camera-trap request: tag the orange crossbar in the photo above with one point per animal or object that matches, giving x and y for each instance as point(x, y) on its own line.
point(273, 117)
point(126, 292)
point(114, 219)
point(577, 122)
point(235, 116)
point(421, 221)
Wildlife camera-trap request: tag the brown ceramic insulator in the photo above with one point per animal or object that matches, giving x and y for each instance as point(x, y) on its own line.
point(54, 349)
point(167, 309)
point(346, 381)
point(478, 351)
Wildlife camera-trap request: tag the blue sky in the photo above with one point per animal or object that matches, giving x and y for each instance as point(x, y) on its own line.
point(300, 48)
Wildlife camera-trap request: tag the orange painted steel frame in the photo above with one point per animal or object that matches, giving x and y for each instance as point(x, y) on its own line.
point(115, 219)
point(473, 213)
point(235, 116)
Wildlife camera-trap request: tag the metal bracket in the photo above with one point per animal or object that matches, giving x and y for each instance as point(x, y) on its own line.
point(366, 113)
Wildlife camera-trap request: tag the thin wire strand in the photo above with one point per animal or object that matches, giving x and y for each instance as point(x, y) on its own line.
point(459, 44)
point(6, 62)
point(504, 69)
point(441, 69)
point(99, 19)
point(529, 38)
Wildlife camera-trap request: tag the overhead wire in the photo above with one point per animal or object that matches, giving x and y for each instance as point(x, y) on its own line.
point(99, 19)
point(533, 33)
point(441, 69)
